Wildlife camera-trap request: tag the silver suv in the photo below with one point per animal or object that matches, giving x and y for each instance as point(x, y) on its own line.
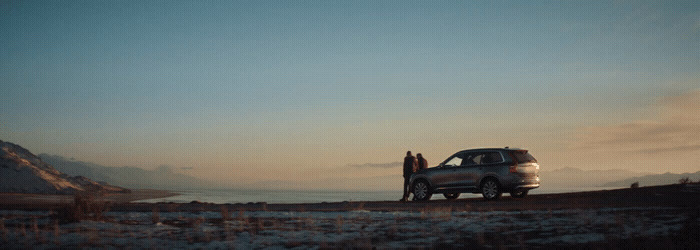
point(489, 171)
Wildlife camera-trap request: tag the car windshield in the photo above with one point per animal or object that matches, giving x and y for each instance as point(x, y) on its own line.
point(523, 156)
point(455, 161)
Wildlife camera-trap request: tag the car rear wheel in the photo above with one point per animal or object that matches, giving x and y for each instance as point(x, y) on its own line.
point(421, 191)
point(451, 196)
point(490, 189)
point(519, 193)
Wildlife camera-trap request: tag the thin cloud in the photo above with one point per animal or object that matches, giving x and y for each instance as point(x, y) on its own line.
point(673, 149)
point(677, 129)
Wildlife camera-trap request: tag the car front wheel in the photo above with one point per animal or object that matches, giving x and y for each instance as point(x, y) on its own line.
point(421, 191)
point(491, 189)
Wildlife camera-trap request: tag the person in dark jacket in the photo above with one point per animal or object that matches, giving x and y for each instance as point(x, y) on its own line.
point(422, 162)
point(409, 167)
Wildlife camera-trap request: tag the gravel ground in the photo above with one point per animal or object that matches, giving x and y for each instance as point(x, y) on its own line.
point(604, 219)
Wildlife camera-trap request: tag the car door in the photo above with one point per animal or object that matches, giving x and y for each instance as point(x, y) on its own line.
point(468, 171)
point(489, 163)
point(446, 175)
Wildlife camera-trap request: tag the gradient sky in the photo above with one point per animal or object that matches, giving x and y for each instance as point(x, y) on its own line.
point(277, 90)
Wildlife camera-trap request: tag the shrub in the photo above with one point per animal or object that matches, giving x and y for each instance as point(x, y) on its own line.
point(225, 215)
point(634, 185)
point(684, 180)
point(84, 206)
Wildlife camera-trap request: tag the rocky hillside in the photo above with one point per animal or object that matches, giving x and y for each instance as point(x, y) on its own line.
point(23, 172)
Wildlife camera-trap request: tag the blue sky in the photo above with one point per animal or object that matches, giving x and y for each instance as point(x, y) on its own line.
point(223, 84)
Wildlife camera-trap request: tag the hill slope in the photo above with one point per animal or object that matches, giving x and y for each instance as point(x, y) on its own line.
point(23, 172)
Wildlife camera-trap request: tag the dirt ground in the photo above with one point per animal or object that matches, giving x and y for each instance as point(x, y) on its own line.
point(659, 217)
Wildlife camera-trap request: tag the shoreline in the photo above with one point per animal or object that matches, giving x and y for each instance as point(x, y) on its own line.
point(654, 196)
point(22, 201)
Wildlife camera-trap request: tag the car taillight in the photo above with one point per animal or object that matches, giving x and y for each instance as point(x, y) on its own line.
point(513, 169)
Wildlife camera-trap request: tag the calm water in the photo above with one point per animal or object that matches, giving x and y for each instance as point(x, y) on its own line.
point(277, 196)
point(289, 196)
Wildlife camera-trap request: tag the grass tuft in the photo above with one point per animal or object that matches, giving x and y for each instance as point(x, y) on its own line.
point(155, 215)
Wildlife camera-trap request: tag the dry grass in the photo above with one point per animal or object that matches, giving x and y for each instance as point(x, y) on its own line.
point(155, 215)
point(358, 227)
point(341, 231)
point(85, 206)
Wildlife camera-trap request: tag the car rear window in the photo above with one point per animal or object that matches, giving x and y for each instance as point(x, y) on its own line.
point(491, 157)
point(523, 156)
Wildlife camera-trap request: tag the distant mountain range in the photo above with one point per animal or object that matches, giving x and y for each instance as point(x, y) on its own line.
point(574, 177)
point(165, 178)
point(131, 177)
point(655, 180)
point(557, 179)
point(23, 172)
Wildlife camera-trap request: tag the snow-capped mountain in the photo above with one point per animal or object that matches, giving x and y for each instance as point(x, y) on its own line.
point(23, 172)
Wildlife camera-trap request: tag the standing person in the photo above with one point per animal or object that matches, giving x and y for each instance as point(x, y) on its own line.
point(422, 162)
point(409, 166)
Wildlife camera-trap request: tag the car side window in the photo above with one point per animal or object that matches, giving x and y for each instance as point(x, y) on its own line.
point(471, 160)
point(478, 157)
point(491, 157)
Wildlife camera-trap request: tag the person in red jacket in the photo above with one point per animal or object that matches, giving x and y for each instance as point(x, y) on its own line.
point(409, 167)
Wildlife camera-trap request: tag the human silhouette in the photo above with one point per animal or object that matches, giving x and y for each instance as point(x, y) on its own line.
point(409, 167)
point(422, 162)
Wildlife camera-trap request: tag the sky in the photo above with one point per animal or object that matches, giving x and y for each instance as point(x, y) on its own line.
point(246, 91)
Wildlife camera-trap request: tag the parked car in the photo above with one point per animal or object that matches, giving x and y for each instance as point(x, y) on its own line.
point(489, 171)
